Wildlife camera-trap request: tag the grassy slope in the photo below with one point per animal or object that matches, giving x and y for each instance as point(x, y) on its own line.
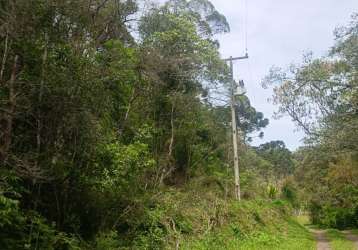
point(206, 220)
point(285, 235)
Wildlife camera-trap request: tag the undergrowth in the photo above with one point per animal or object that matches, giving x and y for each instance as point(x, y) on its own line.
point(203, 216)
point(278, 233)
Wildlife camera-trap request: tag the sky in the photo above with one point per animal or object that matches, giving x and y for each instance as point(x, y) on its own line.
point(278, 33)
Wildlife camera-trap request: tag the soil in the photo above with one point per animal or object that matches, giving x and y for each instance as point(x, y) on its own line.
point(322, 241)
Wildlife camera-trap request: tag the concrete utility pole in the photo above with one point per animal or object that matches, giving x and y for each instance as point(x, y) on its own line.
point(234, 126)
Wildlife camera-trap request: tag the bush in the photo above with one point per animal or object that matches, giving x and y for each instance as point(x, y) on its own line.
point(272, 191)
point(107, 241)
point(28, 230)
point(334, 217)
point(289, 193)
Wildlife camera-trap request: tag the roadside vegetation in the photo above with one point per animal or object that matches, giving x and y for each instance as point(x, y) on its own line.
point(339, 241)
point(321, 96)
point(113, 134)
point(281, 233)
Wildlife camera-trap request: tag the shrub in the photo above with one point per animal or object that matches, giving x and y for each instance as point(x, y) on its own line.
point(334, 217)
point(28, 230)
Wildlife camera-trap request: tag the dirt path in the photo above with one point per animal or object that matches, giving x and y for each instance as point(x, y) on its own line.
point(352, 237)
point(322, 241)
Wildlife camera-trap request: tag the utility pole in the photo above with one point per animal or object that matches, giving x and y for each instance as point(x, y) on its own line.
point(234, 126)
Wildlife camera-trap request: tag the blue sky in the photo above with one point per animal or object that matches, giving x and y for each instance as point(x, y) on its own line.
point(278, 33)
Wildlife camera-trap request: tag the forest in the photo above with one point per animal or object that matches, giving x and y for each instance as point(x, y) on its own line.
point(114, 135)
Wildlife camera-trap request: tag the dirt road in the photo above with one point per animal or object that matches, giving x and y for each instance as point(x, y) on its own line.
point(322, 241)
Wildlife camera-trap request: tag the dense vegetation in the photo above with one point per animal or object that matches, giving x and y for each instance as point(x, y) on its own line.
point(107, 113)
point(114, 135)
point(321, 96)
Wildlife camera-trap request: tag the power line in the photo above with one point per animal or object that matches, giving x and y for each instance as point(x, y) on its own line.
point(246, 24)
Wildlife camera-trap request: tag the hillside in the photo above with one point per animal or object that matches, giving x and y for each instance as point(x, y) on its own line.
point(123, 127)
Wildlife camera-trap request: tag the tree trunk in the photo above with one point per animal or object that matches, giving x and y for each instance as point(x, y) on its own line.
point(42, 82)
point(131, 100)
point(3, 63)
point(8, 117)
point(166, 171)
point(170, 151)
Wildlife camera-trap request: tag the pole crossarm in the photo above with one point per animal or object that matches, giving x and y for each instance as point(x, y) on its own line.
point(246, 56)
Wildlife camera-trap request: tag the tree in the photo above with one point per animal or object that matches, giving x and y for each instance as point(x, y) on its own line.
point(321, 98)
point(96, 123)
point(172, 36)
point(321, 93)
point(279, 156)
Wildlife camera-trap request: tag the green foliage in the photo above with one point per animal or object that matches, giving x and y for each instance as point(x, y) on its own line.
point(250, 120)
point(108, 137)
point(289, 193)
point(122, 165)
point(320, 95)
point(107, 241)
point(11, 224)
point(279, 156)
point(277, 233)
point(30, 230)
point(338, 209)
point(334, 217)
point(272, 191)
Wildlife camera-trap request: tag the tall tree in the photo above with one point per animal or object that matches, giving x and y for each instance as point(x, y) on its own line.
point(321, 97)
